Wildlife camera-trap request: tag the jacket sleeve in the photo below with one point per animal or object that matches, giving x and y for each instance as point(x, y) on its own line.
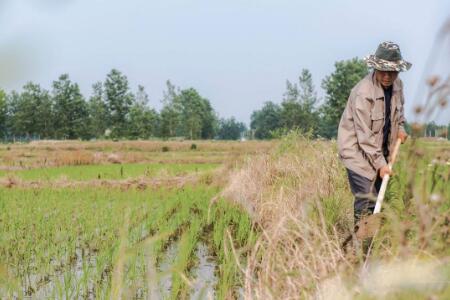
point(366, 138)
point(401, 115)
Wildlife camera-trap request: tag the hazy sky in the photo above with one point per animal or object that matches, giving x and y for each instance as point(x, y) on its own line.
point(238, 54)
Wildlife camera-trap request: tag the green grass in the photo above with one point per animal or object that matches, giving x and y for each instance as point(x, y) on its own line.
point(112, 171)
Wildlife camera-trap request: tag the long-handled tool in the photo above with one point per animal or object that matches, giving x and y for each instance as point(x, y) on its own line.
point(386, 177)
point(369, 225)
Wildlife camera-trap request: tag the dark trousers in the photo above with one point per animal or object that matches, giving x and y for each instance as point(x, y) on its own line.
point(365, 192)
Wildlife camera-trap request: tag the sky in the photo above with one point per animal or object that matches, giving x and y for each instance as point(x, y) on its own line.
point(237, 54)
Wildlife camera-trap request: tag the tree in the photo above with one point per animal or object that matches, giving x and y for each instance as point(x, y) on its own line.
point(209, 121)
point(3, 114)
point(186, 113)
point(430, 129)
point(307, 95)
point(98, 111)
point(171, 112)
point(230, 129)
point(266, 120)
point(337, 87)
point(31, 112)
point(13, 105)
point(119, 100)
point(448, 132)
point(297, 108)
point(407, 127)
point(197, 116)
point(70, 110)
point(143, 120)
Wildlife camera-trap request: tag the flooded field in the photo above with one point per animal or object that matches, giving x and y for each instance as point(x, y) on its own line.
point(130, 228)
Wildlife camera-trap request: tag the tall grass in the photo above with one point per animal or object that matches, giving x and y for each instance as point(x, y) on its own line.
point(299, 196)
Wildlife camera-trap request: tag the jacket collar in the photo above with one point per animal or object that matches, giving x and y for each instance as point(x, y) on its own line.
point(378, 89)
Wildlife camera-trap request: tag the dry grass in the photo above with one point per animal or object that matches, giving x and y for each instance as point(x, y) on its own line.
point(140, 183)
point(282, 190)
point(298, 195)
point(272, 184)
point(62, 153)
point(149, 146)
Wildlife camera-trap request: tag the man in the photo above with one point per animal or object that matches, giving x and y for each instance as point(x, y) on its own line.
point(370, 124)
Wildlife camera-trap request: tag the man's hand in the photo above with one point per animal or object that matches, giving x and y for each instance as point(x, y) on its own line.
point(385, 170)
point(402, 136)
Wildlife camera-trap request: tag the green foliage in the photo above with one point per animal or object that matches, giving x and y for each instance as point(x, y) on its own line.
point(408, 128)
point(171, 112)
point(70, 110)
point(430, 129)
point(119, 100)
point(170, 120)
point(197, 115)
point(191, 113)
point(337, 87)
point(186, 113)
point(298, 109)
point(98, 111)
point(230, 129)
point(113, 111)
point(266, 120)
point(448, 132)
point(3, 113)
point(143, 120)
point(31, 112)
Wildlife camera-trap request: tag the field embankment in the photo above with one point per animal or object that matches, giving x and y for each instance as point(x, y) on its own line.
point(299, 195)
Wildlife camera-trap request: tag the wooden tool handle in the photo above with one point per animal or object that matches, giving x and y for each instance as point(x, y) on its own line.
point(395, 152)
point(386, 177)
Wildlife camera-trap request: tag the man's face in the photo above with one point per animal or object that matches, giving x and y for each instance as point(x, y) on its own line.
point(386, 78)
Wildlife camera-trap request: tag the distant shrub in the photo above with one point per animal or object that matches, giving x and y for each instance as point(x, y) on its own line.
point(165, 149)
point(193, 147)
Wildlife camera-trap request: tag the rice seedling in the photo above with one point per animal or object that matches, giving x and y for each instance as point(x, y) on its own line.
point(68, 242)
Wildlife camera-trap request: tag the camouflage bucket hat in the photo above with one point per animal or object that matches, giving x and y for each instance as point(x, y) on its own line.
point(387, 58)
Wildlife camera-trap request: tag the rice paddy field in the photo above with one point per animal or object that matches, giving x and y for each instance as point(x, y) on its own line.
point(216, 220)
point(131, 220)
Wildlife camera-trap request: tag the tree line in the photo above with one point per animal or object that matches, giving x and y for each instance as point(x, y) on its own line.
point(300, 108)
point(114, 111)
